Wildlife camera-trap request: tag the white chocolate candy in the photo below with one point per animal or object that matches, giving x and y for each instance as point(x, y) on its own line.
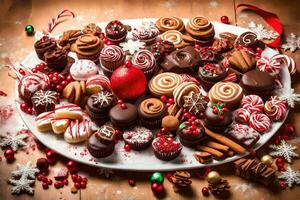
point(59, 125)
point(77, 131)
point(83, 69)
point(43, 121)
point(68, 111)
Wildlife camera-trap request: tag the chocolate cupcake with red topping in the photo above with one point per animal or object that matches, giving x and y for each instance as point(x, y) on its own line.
point(191, 133)
point(211, 73)
point(166, 148)
point(145, 61)
point(139, 138)
point(161, 48)
point(42, 45)
point(56, 58)
point(209, 55)
point(217, 117)
point(123, 116)
point(116, 31)
point(111, 57)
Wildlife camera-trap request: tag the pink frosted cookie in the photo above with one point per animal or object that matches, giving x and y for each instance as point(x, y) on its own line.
point(43, 121)
point(68, 111)
point(77, 131)
point(253, 103)
point(260, 122)
point(242, 116)
point(83, 69)
point(97, 83)
point(275, 109)
point(59, 125)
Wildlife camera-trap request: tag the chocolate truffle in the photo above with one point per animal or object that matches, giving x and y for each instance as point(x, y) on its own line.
point(139, 138)
point(123, 117)
point(56, 58)
point(259, 83)
point(43, 45)
point(116, 31)
point(44, 101)
point(182, 60)
point(217, 117)
point(101, 144)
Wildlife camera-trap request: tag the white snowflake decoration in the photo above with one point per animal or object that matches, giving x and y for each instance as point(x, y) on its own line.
point(290, 176)
point(132, 46)
point(23, 178)
point(21, 185)
point(284, 149)
point(106, 172)
point(292, 43)
point(262, 32)
point(289, 96)
point(13, 140)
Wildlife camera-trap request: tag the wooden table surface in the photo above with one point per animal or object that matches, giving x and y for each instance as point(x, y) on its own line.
point(14, 43)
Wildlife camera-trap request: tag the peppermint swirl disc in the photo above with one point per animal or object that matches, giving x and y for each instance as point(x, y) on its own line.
point(184, 89)
point(275, 109)
point(272, 66)
point(169, 23)
point(260, 122)
point(228, 93)
point(164, 84)
point(253, 103)
point(173, 36)
point(144, 60)
point(152, 106)
point(242, 116)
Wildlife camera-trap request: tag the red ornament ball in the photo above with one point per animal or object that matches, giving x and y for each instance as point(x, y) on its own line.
point(128, 82)
point(282, 185)
point(224, 20)
point(42, 164)
point(131, 182)
point(289, 129)
point(205, 191)
point(127, 147)
point(51, 156)
point(157, 187)
point(9, 155)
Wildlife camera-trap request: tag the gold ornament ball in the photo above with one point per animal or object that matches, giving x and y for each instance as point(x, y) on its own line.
point(213, 177)
point(267, 160)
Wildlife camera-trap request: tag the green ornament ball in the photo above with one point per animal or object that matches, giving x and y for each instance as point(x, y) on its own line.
point(29, 29)
point(157, 177)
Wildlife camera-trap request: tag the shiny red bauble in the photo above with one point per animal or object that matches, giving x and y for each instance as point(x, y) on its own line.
point(289, 129)
point(205, 191)
point(9, 155)
point(157, 187)
point(128, 82)
point(51, 156)
point(42, 164)
point(224, 20)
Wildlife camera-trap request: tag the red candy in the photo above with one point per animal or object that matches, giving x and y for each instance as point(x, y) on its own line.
point(260, 122)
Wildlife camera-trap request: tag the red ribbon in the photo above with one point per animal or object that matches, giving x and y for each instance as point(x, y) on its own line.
point(271, 18)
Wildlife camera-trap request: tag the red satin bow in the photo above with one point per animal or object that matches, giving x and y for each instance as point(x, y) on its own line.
point(271, 18)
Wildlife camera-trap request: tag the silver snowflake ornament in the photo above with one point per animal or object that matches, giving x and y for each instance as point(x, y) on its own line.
point(132, 46)
point(290, 176)
point(292, 43)
point(262, 32)
point(284, 149)
point(26, 171)
point(195, 102)
point(21, 185)
point(13, 140)
point(289, 96)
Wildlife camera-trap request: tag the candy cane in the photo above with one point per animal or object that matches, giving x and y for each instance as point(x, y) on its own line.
point(230, 78)
point(288, 61)
point(57, 20)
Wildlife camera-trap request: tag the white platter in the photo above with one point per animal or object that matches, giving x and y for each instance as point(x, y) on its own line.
point(144, 160)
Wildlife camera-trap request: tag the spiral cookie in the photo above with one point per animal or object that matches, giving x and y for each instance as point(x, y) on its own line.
point(164, 84)
point(275, 109)
point(184, 89)
point(200, 28)
point(226, 92)
point(253, 103)
point(260, 122)
point(152, 106)
point(242, 116)
point(169, 23)
point(247, 39)
point(175, 37)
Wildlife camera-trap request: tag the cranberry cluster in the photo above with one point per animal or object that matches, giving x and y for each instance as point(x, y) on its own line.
point(25, 107)
point(59, 81)
point(166, 100)
point(191, 126)
point(105, 39)
point(219, 110)
point(122, 104)
point(164, 132)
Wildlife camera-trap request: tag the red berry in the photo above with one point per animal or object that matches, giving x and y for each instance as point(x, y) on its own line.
point(164, 130)
point(205, 191)
point(64, 83)
point(50, 76)
point(56, 74)
point(45, 186)
point(42, 164)
point(108, 42)
point(215, 111)
point(171, 101)
point(197, 46)
point(85, 180)
point(131, 182)
point(282, 185)
point(225, 20)
point(79, 179)
point(71, 164)
point(127, 147)
point(193, 118)
point(186, 115)
point(34, 70)
point(51, 156)
point(225, 109)
point(123, 106)
point(49, 181)
point(201, 115)
point(257, 54)
point(169, 177)
point(258, 50)
point(59, 88)
point(289, 129)
point(120, 101)
point(40, 177)
point(221, 117)
point(279, 161)
point(57, 185)
point(29, 111)
point(55, 79)
point(69, 78)
point(74, 177)
point(128, 63)
point(9, 154)
point(82, 184)
point(21, 71)
point(157, 187)
point(77, 185)
point(45, 179)
point(193, 127)
point(159, 134)
point(65, 181)
point(24, 107)
point(163, 98)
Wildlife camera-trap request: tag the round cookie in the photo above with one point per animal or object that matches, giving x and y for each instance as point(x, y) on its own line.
point(43, 45)
point(184, 89)
point(200, 28)
point(116, 31)
point(123, 118)
point(211, 73)
point(83, 69)
point(97, 83)
point(169, 23)
point(139, 138)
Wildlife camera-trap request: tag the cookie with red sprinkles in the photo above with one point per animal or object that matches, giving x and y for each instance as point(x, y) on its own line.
point(166, 148)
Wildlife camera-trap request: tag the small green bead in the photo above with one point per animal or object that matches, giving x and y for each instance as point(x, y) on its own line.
point(157, 177)
point(29, 29)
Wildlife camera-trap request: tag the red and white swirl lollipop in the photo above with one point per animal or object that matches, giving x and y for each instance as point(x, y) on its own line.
point(253, 103)
point(242, 116)
point(275, 109)
point(260, 122)
point(272, 66)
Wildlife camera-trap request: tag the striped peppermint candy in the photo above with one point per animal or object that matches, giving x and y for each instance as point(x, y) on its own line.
point(253, 103)
point(270, 65)
point(260, 122)
point(242, 116)
point(275, 109)
point(287, 60)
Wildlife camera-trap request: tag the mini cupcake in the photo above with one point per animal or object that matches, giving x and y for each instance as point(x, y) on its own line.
point(145, 61)
point(210, 74)
point(191, 133)
point(56, 58)
point(83, 69)
point(166, 148)
point(101, 144)
point(42, 45)
point(44, 101)
point(88, 46)
point(123, 117)
point(116, 31)
point(111, 57)
point(151, 111)
point(146, 32)
point(139, 138)
point(98, 106)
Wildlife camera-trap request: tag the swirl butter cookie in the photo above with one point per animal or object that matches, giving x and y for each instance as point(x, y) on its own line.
point(169, 23)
